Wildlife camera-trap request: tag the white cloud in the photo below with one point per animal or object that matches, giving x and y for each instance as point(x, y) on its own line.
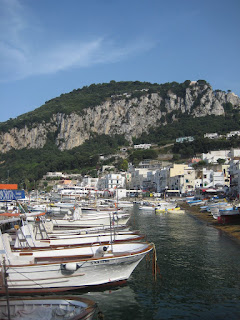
point(19, 58)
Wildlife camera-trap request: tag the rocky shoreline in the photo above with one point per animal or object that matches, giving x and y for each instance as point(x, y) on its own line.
point(232, 230)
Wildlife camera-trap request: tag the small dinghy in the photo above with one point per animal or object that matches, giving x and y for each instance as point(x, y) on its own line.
point(47, 308)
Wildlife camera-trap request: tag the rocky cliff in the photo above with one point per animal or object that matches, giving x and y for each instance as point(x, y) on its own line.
point(126, 115)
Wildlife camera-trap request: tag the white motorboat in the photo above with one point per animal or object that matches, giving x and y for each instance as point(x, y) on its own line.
point(35, 236)
point(79, 220)
point(153, 205)
point(53, 270)
point(147, 208)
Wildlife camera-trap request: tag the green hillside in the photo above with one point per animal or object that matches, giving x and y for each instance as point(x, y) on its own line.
point(27, 166)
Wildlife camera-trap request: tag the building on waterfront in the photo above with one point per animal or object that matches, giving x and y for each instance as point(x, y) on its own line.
point(149, 184)
point(88, 181)
point(182, 179)
point(115, 180)
point(159, 176)
point(161, 179)
point(209, 178)
point(225, 170)
point(189, 180)
point(138, 175)
point(234, 172)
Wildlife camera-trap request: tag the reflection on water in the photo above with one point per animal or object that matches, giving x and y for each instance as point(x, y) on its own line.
point(199, 268)
point(120, 303)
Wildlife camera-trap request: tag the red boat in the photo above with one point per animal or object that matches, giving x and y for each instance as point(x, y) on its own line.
point(229, 216)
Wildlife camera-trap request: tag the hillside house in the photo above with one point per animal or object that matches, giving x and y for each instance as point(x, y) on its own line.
point(142, 146)
point(211, 135)
point(184, 139)
point(214, 156)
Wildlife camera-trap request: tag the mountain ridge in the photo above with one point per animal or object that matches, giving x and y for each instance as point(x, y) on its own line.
point(126, 108)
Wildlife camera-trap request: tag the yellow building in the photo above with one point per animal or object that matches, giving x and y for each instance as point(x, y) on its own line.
point(177, 170)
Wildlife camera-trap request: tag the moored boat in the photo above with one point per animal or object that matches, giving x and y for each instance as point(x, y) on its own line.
point(79, 220)
point(47, 308)
point(34, 236)
point(54, 270)
point(229, 216)
point(169, 210)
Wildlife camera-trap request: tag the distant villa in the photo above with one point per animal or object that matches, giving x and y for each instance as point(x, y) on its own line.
point(142, 146)
point(182, 139)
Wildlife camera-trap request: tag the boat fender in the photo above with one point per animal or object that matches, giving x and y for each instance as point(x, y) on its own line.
point(70, 266)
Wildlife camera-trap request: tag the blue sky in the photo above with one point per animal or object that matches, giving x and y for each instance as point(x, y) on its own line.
point(50, 47)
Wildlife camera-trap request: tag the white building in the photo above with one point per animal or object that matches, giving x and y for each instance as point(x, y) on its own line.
point(213, 156)
point(55, 175)
point(211, 135)
point(212, 179)
point(89, 182)
point(232, 134)
point(183, 139)
point(115, 180)
point(184, 182)
point(218, 179)
point(234, 172)
point(189, 180)
point(142, 146)
point(225, 170)
point(206, 178)
point(234, 153)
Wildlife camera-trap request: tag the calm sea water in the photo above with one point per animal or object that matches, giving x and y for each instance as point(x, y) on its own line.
point(200, 274)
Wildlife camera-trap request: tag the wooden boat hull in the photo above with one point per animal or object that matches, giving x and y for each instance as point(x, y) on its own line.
point(229, 217)
point(57, 307)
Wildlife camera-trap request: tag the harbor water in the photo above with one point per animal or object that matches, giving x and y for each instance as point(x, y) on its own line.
point(199, 273)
